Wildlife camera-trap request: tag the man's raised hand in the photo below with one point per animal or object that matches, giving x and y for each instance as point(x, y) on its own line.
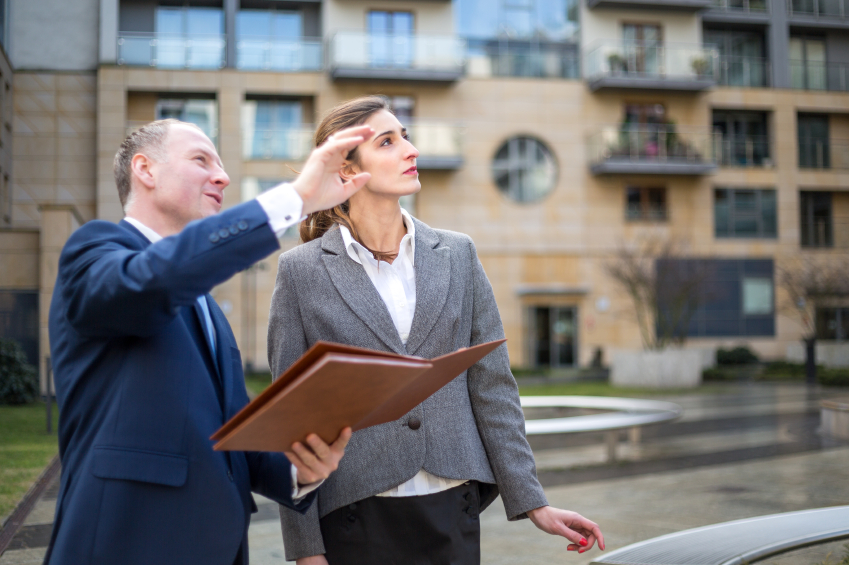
point(316, 460)
point(319, 185)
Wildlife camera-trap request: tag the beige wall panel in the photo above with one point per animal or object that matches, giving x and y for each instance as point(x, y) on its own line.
point(606, 25)
point(19, 257)
point(141, 106)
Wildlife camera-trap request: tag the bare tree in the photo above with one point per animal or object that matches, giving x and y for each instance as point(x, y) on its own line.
point(809, 282)
point(665, 285)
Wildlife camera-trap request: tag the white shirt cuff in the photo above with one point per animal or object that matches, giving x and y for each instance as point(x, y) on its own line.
point(300, 492)
point(283, 206)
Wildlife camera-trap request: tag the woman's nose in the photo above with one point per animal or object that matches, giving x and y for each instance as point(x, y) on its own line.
point(412, 152)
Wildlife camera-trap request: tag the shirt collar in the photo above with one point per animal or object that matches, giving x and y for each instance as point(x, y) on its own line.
point(151, 235)
point(408, 242)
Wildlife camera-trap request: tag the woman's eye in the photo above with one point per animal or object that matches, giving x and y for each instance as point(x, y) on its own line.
point(406, 137)
point(386, 141)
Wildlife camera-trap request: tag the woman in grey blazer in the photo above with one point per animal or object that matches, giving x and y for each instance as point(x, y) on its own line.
point(369, 275)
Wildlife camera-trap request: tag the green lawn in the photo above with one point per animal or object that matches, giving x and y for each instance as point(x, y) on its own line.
point(257, 382)
point(25, 450)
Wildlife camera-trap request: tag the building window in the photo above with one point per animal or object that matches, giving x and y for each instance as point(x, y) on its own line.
point(547, 20)
point(524, 169)
point(816, 219)
point(643, 46)
point(189, 37)
point(19, 320)
point(742, 54)
point(745, 213)
point(813, 139)
point(808, 63)
point(730, 297)
point(645, 204)
point(201, 112)
point(273, 40)
point(553, 336)
point(390, 38)
point(273, 129)
point(744, 138)
point(832, 323)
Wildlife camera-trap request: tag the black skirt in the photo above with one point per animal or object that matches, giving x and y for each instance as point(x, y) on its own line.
point(435, 529)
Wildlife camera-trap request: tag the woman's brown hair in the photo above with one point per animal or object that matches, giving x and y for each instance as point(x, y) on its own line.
point(348, 114)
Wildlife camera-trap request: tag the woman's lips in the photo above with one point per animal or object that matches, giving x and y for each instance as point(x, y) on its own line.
point(411, 171)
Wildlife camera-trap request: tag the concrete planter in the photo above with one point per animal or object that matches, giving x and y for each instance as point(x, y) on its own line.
point(670, 368)
point(834, 415)
point(830, 354)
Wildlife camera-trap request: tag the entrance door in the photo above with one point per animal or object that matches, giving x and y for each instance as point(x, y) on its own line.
point(554, 336)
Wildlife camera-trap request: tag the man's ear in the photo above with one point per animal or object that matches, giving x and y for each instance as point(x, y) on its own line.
point(140, 167)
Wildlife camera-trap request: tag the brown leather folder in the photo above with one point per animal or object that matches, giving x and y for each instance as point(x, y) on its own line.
point(332, 386)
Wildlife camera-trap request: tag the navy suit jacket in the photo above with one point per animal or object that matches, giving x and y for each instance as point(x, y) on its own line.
point(140, 393)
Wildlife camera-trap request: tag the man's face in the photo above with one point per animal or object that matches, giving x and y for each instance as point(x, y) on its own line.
point(190, 182)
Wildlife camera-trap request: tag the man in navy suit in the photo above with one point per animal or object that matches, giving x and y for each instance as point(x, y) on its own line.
point(147, 368)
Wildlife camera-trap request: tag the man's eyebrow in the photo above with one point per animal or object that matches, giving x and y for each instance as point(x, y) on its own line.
point(206, 152)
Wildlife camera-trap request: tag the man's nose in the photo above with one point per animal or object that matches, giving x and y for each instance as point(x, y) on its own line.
point(220, 178)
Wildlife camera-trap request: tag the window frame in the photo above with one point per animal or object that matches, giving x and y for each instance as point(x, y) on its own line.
point(513, 191)
point(732, 216)
point(645, 214)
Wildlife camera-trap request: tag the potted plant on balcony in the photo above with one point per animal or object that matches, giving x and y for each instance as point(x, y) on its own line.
point(701, 66)
point(616, 63)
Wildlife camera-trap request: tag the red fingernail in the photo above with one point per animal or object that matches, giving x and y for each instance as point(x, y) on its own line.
point(583, 541)
point(581, 550)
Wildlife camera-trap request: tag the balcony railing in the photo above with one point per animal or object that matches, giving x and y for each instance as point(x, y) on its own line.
point(169, 51)
point(513, 58)
point(819, 8)
point(273, 54)
point(809, 75)
point(744, 71)
point(746, 6)
point(823, 153)
point(744, 150)
point(357, 55)
point(652, 66)
point(626, 149)
point(286, 144)
point(439, 144)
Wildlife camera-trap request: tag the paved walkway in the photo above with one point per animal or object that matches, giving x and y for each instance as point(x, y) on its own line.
point(748, 452)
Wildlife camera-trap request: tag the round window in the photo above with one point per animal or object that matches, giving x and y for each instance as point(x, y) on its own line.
point(524, 169)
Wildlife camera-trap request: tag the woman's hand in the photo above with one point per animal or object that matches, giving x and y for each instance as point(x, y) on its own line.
point(316, 460)
point(314, 560)
point(581, 532)
point(319, 185)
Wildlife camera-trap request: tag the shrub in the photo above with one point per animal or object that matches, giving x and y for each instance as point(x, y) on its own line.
point(833, 376)
point(718, 374)
point(18, 379)
point(738, 356)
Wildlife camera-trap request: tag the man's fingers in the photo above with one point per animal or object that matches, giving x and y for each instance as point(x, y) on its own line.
point(343, 439)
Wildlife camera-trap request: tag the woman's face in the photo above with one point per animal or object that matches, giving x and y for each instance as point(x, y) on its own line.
point(389, 157)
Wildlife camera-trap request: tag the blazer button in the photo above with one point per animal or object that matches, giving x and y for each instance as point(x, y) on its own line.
point(230, 475)
point(223, 233)
point(214, 237)
point(242, 225)
point(234, 229)
point(414, 423)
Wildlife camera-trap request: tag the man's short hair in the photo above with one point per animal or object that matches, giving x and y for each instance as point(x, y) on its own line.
point(150, 140)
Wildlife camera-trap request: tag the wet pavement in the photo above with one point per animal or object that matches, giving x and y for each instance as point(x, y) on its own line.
point(747, 450)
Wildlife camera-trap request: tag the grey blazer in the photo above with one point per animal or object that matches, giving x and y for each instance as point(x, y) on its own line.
point(472, 428)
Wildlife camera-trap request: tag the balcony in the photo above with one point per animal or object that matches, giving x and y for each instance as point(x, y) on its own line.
point(439, 144)
point(747, 72)
point(824, 154)
point(290, 144)
point(626, 149)
point(169, 51)
point(674, 5)
point(686, 68)
point(741, 11)
point(832, 14)
point(355, 55)
point(274, 54)
point(514, 58)
point(807, 75)
point(744, 151)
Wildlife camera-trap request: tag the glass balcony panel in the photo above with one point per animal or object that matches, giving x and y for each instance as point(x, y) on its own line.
point(743, 71)
point(353, 50)
point(169, 51)
point(488, 58)
point(808, 75)
point(667, 149)
point(744, 151)
point(824, 153)
point(292, 144)
point(680, 62)
point(135, 50)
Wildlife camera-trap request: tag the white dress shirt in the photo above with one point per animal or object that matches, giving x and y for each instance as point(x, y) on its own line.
point(283, 206)
point(396, 285)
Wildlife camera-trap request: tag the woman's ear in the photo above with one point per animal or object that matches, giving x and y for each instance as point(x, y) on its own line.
point(349, 170)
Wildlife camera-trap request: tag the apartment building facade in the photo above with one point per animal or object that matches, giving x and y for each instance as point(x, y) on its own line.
point(555, 132)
